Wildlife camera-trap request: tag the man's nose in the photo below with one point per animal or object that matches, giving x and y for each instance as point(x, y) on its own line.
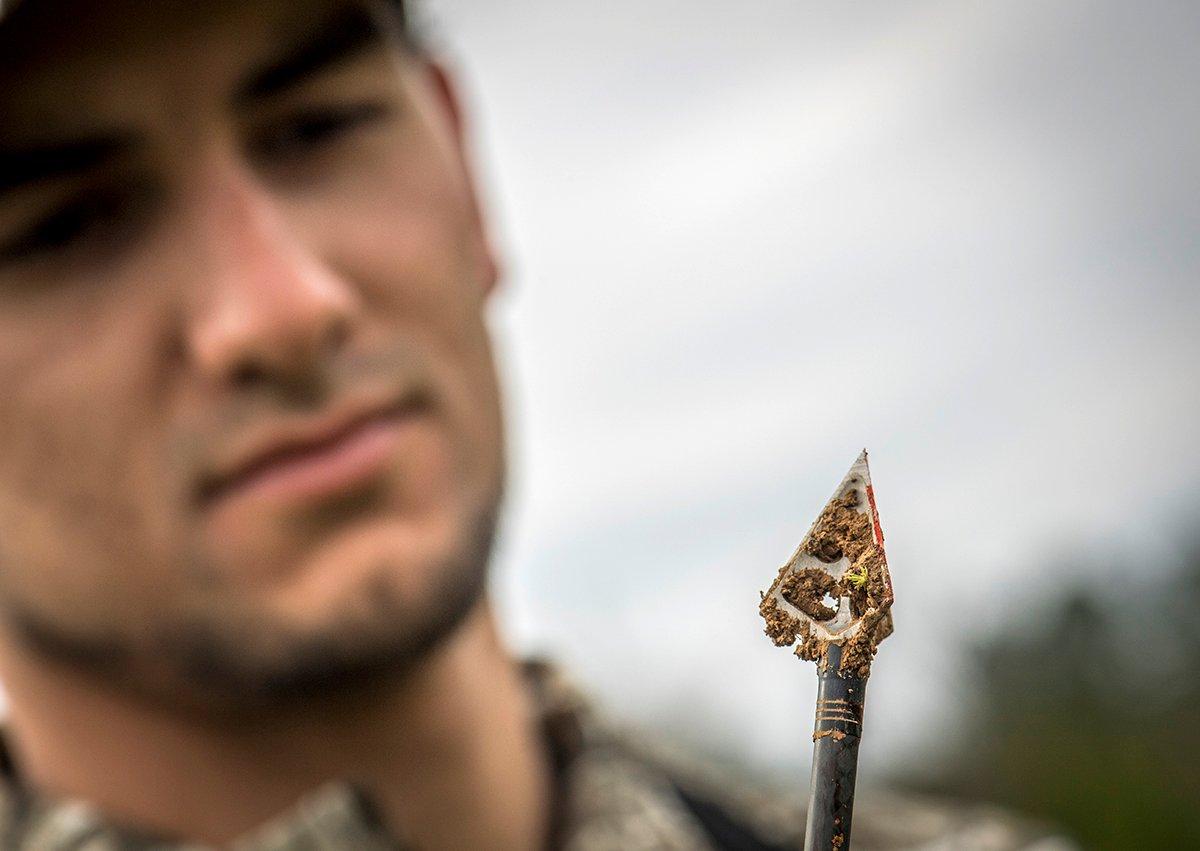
point(267, 308)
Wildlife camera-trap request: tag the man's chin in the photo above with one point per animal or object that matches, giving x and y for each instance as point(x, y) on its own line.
point(364, 607)
point(367, 604)
point(409, 561)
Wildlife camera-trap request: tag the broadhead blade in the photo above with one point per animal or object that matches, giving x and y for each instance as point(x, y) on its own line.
point(836, 589)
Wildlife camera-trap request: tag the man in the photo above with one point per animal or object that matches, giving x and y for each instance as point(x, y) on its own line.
point(251, 457)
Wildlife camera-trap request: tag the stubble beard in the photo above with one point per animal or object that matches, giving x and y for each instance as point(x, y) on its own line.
point(259, 664)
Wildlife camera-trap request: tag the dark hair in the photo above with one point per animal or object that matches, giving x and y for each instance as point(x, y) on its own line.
point(404, 23)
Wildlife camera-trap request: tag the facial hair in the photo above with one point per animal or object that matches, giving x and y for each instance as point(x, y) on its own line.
point(262, 664)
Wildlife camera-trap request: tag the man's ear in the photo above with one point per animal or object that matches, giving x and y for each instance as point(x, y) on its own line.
point(447, 97)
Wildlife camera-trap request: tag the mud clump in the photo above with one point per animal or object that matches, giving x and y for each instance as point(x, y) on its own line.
point(836, 735)
point(858, 652)
point(841, 529)
point(806, 589)
point(814, 650)
point(781, 628)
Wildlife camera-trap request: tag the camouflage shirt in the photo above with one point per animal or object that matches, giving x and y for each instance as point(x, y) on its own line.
point(615, 792)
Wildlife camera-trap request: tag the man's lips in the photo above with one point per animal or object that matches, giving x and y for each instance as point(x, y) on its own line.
point(324, 462)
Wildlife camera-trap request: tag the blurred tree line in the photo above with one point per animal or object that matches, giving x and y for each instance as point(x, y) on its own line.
point(1088, 715)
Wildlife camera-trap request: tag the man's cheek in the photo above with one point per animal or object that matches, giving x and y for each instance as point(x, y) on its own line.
point(79, 552)
point(74, 465)
point(429, 472)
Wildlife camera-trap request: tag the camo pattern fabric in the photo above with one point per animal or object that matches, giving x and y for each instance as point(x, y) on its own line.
point(617, 792)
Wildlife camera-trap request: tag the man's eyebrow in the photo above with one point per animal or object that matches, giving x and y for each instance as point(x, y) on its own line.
point(38, 163)
point(350, 32)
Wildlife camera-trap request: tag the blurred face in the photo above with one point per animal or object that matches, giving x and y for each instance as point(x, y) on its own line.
point(250, 437)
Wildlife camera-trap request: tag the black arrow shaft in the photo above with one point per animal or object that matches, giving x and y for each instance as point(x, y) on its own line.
point(836, 735)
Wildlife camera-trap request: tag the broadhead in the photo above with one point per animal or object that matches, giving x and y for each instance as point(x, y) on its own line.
point(836, 588)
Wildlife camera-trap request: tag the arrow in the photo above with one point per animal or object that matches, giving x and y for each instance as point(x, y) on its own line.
point(833, 600)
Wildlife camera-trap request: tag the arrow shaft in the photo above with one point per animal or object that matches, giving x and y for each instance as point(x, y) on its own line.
point(836, 735)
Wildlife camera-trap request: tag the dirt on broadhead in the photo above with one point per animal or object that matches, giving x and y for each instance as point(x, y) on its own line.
point(840, 531)
point(781, 628)
point(806, 590)
point(814, 650)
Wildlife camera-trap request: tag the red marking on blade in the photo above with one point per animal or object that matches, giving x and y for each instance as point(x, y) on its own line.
point(875, 517)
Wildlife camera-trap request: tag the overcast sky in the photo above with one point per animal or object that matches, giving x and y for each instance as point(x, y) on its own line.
point(745, 240)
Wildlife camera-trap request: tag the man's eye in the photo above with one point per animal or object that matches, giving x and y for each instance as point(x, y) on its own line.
point(91, 216)
point(311, 129)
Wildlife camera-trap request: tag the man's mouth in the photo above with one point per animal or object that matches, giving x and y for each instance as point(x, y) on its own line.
point(316, 461)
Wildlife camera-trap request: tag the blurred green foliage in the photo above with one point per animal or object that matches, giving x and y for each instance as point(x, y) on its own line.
point(1088, 715)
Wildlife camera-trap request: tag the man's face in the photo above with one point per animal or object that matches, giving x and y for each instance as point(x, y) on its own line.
point(250, 434)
